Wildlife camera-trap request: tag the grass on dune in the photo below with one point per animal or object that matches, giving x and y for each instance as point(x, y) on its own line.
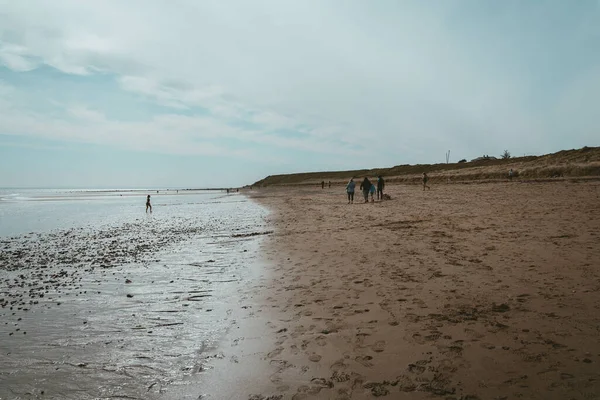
point(579, 163)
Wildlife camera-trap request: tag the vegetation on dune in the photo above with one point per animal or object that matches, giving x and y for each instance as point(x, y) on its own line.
point(584, 162)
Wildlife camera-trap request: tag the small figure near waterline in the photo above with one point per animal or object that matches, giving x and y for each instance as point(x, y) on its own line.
point(148, 205)
point(425, 180)
point(322, 184)
point(510, 174)
point(330, 184)
point(350, 190)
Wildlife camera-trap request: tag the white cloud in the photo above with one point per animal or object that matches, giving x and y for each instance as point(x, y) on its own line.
point(165, 133)
point(15, 58)
point(170, 93)
point(85, 114)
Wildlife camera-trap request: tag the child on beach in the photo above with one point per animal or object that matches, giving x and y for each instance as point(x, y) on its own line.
point(372, 191)
point(148, 205)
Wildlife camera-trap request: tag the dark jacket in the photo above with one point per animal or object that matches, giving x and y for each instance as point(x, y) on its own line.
point(366, 185)
point(380, 184)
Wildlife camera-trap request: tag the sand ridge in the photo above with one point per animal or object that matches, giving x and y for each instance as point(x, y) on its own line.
point(462, 292)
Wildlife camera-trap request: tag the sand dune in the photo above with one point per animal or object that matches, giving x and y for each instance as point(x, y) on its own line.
point(578, 164)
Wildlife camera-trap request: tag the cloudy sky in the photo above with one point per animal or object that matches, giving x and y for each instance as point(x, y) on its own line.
point(215, 93)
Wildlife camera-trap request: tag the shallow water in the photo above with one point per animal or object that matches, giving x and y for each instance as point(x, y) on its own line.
point(126, 305)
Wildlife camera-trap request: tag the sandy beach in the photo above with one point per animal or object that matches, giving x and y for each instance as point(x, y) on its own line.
point(478, 291)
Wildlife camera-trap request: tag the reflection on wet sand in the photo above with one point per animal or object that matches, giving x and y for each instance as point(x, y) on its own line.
point(124, 311)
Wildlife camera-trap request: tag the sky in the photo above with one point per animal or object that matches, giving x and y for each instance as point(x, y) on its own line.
point(187, 93)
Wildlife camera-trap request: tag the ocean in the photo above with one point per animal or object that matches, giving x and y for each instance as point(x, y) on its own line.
point(100, 299)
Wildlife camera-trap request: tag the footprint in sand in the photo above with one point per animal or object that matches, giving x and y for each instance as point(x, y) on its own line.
point(339, 364)
point(447, 365)
point(314, 357)
point(322, 382)
point(416, 368)
point(433, 336)
point(417, 337)
point(405, 384)
point(321, 340)
point(275, 352)
point(365, 361)
point(262, 397)
point(379, 346)
point(340, 376)
point(377, 389)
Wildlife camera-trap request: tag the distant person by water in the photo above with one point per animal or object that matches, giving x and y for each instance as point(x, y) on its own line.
point(350, 190)
point(425, 180)
point(330, 184)
point(322, 184)
point(380, 187)
point(148, 205)
point(365, 186)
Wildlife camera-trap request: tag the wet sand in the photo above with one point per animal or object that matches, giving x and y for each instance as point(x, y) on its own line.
point(127, 310)
point(479, 291)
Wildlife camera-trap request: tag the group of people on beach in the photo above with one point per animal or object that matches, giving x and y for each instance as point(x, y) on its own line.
point(367, 187)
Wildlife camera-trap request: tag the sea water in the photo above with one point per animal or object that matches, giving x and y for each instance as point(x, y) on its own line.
point(103, 300)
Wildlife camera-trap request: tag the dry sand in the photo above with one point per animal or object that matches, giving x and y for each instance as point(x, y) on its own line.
point(479, 291)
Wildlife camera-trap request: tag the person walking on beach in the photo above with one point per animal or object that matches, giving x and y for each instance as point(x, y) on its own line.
point(322, 184)
point(425, 180)
point(350, 190)
point(372, 192)
point(380, 186)
point(148, 205)
point(329, 184)
point(510, 174)
point(365, 186)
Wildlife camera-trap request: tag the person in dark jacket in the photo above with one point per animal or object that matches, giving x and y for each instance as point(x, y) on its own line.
point(380, 187)
point(365, 186)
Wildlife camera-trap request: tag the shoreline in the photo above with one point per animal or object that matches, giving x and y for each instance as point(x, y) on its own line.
point(461, 292)
point(133, 308)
